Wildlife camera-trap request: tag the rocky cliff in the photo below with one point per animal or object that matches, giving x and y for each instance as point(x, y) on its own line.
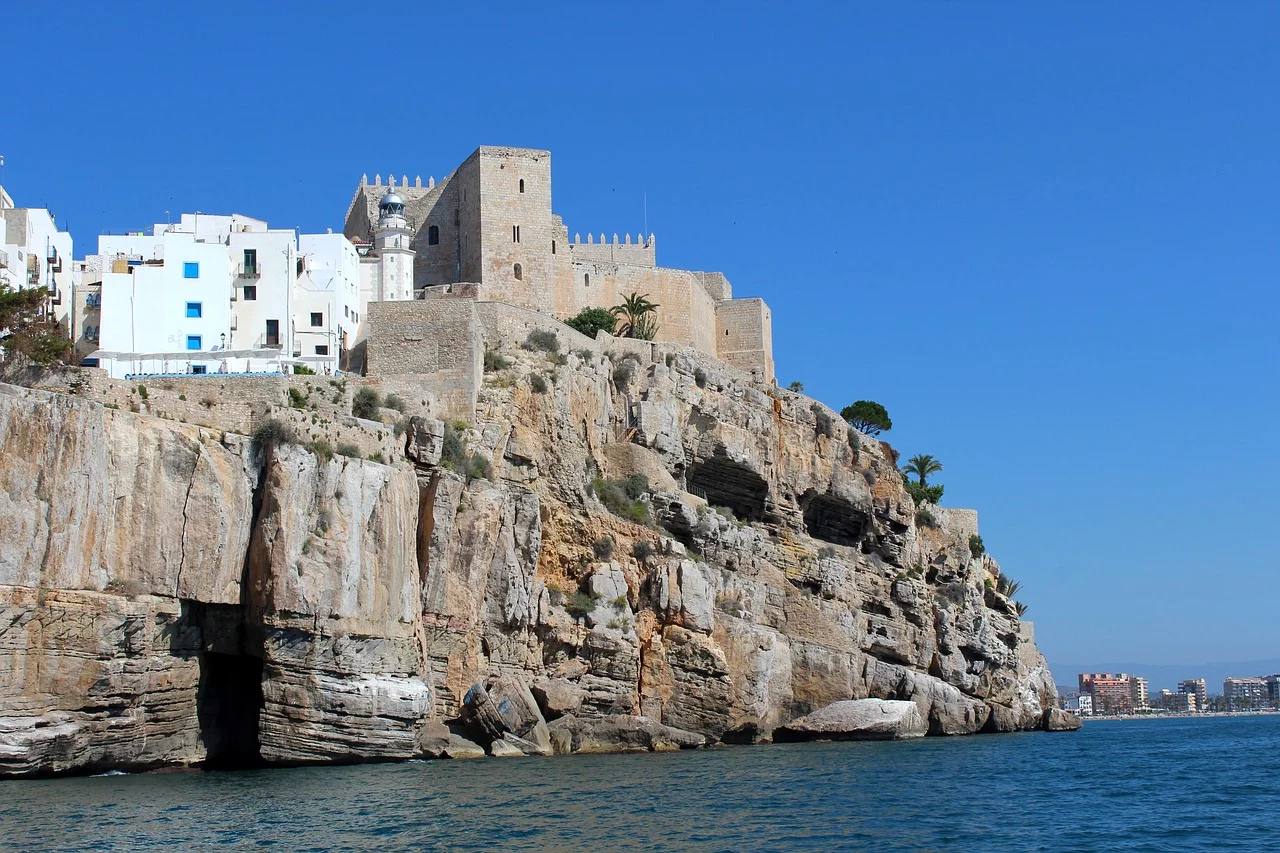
point(627, 547)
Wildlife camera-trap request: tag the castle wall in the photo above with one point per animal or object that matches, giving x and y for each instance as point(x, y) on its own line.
point(436, 340)
point(517, 227)
point(642, 253)
point(744, 336)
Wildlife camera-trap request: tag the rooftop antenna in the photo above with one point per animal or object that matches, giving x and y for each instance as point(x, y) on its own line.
point(646, 212)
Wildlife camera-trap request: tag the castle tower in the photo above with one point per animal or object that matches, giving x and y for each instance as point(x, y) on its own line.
point(391, 240)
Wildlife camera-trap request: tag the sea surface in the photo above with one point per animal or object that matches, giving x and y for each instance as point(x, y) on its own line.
point(1181, 784)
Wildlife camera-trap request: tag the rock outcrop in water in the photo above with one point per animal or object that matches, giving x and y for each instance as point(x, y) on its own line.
point(175, 594)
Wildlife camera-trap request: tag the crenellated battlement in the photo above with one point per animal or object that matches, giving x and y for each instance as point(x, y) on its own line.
point(642, 251)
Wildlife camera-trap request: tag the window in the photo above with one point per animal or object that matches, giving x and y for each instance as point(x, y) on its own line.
point(346, 310)
point(522, 185)
point(195, 309)
point(518, 272)
point(191, 269)
point(553, 247)
point(250, 292)
point(273, 333)
point(199, 369)
point(317, 318)
point(515, 233)
point(322, 349)
point(433, 235)
point(250, 261)
point(586, 279)
point(194, 342)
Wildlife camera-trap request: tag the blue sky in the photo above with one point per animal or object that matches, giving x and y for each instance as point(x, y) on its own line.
point(1046, 239)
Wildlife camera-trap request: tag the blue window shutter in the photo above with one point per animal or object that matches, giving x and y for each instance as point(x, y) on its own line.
point(193, 342)
point(195, 309)
point(191, 269)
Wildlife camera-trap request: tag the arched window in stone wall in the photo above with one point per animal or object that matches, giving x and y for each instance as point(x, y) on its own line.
point(433, 235)
point(586, 279)
point(519, 272)
point(522, 185)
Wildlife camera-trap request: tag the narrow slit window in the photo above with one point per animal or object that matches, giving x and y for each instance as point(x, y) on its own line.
point(433, 235)
point(518, 272)
point(522, 185)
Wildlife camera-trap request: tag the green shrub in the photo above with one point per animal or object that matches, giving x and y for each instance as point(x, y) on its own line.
point(824, 424)
point(855, 443)
point(322, 449)
point(620, 623)
point(797, 387)
point(303, 370)
point(376, 456)
point(478, 468)
point(642, 550)
point(348, 449)
point(700, 377)
point(620, 497)
point(586, 355)
point(273, 434)
point(580, 604)
point(976, 548)
point(394, 401)
point(922, 494)
point(542, 341)
point(142, 392)
point(298, 398)
point(924, 518)
point(623, 372)
point(453, 453)
point(620, 603)
point(603, 547)
point(589, 321)
point(537, 383)
point(365, 404)
point(826, 552)
point(493, 361)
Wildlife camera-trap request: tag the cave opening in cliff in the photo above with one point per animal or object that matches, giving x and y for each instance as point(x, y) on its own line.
point(229, 703)
point(833, 519)
point(723, 482)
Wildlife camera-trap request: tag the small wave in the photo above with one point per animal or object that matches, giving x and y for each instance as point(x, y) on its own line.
point(111, 773)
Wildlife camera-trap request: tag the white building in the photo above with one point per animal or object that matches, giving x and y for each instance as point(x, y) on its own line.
point(225, 294)
point(34, 253)
point(1084, 705)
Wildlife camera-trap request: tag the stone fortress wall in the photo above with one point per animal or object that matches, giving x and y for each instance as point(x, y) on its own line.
point(491, 222)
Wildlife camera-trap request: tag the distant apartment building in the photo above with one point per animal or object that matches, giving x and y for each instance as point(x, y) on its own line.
point(1178, 703)
point(35, 253)
point(1115, 693)
point(1084, 705)
point(1197, 688)
point(1273, 690)
point(1245, 693)
point(220, 294)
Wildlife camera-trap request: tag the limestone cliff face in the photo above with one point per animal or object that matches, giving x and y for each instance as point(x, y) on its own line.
point(172, 594)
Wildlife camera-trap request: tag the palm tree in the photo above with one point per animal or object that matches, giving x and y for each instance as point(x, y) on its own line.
point(638, 317)
point(922, 465)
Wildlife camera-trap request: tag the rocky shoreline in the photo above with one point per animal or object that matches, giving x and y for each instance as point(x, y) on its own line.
point(626, 546)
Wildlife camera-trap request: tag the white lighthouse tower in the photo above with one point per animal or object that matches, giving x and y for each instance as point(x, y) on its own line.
point(391, 242)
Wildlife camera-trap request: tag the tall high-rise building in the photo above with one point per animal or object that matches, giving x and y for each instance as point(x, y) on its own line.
point(1196, 686)
point(1245, 694)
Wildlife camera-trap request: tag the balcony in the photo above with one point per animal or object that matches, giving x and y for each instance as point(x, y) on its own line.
point(93, 300)
point(249, 271)
point(4, 260)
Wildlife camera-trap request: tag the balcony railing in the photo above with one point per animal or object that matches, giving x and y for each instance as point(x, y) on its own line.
point(93, 300)
point(4, 260)
point(249, 271)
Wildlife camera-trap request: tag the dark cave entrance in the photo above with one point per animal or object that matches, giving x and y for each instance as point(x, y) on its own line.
point(833, 519)
point(228, 705)
point(723, 482)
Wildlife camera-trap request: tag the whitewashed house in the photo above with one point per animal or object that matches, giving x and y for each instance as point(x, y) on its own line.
point(35, 253)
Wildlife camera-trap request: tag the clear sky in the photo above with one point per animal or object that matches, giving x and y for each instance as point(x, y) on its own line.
point(1045, 239)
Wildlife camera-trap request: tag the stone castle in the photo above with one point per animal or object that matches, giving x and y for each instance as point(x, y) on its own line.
point(488, 232)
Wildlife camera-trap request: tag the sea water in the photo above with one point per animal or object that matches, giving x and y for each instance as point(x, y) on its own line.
point(1176, 784)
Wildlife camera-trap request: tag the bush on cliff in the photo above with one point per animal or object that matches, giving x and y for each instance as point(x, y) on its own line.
point(868, 417)
point(622, 497)
point(272, 434)
point(976, 548)
point(26, 329)
point(922, 494)
point(589, 321)
point(365, 404)
point(541, 340)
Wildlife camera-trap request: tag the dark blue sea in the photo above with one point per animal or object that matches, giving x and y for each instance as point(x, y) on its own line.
point(1179, 784)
